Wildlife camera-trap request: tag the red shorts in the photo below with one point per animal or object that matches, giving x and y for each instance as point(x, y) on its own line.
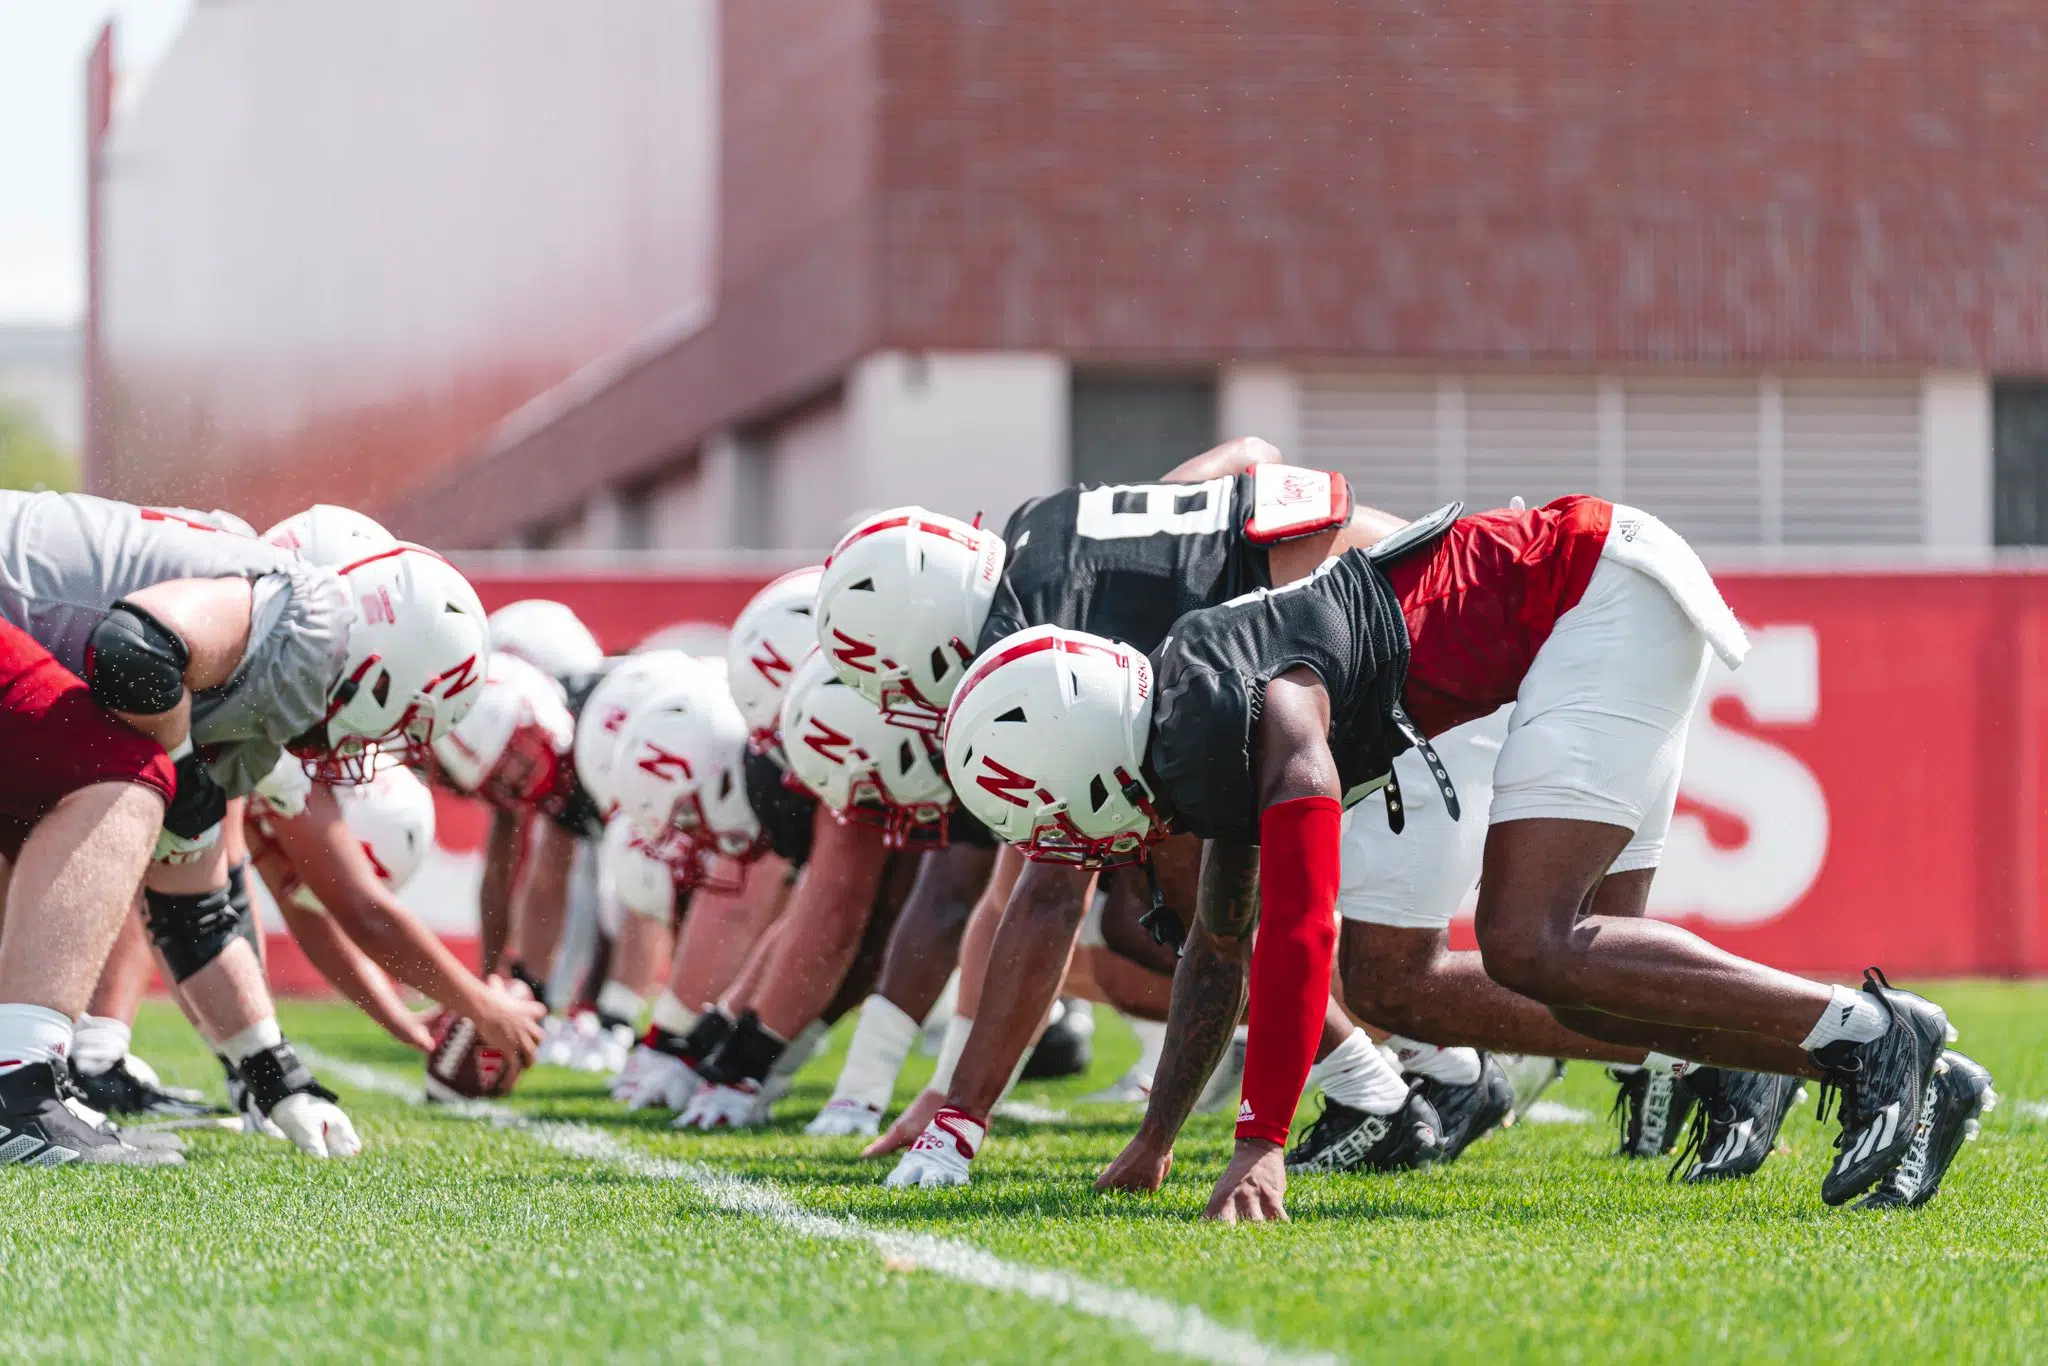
point(57, 739)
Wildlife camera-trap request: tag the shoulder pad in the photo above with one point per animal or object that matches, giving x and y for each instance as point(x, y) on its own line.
point(1423, 531)
point(1289, 503)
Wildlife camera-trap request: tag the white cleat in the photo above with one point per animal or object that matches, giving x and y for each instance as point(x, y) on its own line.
point(557, 1042)
point(722, 1107)
point(666, 1083)
point(842, 1118)
point(1225, 1084)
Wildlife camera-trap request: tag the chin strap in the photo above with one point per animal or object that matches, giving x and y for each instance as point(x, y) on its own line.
point(1160, 922)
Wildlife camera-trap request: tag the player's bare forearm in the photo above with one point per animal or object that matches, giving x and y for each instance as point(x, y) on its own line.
point(1209, 986)
point(494, 897)
point(1208, 1001)
point(1234, 456)
point(349, 971)
point(1031, 946)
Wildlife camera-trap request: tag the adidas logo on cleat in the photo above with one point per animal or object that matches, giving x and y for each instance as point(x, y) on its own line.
point(1877, 1135)
point(26, 1150)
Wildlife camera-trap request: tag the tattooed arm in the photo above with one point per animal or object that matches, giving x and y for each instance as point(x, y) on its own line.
point(1209, 990)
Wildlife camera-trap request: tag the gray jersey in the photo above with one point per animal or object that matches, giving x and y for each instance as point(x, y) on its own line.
point(66, 558)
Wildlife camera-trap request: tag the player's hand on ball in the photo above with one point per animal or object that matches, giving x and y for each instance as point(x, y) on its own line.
point(509, 1019)
point(1253, 1187)
point(317, 1126)
point(1141, 1166)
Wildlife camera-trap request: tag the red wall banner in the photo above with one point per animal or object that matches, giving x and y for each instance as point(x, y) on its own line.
point(1865, 789)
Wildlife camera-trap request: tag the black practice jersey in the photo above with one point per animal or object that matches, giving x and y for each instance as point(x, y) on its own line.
point(1345, 623)
point(784, 809)
point(1125, 561)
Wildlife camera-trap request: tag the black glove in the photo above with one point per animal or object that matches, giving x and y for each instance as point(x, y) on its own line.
point(200, 803)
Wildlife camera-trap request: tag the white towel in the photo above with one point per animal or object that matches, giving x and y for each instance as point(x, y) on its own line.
point(1645, 544)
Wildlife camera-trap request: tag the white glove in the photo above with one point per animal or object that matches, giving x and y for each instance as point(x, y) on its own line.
point(317, 1126)
point(599, 1049)
point(842, 1117)
point(721, 1107)
point(172, 848)
point(286, 788)
point(666, 1082)
point(942, 1152)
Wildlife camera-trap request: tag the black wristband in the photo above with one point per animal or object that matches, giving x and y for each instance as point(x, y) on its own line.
point(746, 1055)
point(272, 1074)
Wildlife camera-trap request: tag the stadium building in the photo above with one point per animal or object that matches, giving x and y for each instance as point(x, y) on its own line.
point(716, 277)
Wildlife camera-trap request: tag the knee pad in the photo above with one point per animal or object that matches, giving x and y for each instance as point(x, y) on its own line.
point(238, 898)
point(191, 931)
point(134, 663)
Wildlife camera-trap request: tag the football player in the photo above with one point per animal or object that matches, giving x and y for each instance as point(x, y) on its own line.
point(229, 652)
point(1268, 713)
point(909, 598)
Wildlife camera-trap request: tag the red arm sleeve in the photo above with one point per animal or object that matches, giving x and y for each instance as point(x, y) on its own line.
point(1299, 844)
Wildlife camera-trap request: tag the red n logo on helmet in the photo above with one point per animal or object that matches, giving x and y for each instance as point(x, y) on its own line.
point(854, 654)
point(663, 765)
point(459, 679)
point(826, 740)
point(770, 663)
point(1002, 781)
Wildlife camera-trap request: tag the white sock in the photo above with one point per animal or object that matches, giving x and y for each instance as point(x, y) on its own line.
point(97, 1043)
point(957, 1030)
point(673, 1015)
point(1151, 1044)
point(1451, 1066)
point(621, 1002)
point(1356, 1075)
point(1851, 1015)
point(32, 1034)
point(881, 1044)
point(257, 1037)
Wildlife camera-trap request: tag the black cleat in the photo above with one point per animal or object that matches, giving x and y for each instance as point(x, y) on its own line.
point(1472, 1111)
point(1063, 1050)
point(1346, 1140)
point(1882, 1085)
point(1651, 1108)
point(1957, 1097)
point(43, 1125)
point(1736, 1124)
point(118, 1091)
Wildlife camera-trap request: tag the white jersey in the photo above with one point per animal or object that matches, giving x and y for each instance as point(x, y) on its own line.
point(65, 559)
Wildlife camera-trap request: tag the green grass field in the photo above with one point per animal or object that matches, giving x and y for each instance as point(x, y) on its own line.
point(580, 1233)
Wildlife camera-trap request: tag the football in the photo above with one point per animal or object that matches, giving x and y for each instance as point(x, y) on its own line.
point(461, 1066)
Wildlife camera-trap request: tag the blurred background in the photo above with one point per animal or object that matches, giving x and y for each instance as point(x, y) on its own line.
point(640, 301)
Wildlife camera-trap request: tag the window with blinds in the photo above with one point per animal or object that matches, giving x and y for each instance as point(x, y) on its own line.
point(1726, 460)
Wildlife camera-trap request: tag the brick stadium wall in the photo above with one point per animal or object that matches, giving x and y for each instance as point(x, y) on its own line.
point(1754, 180)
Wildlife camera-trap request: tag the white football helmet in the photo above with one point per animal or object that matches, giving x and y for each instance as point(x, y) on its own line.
point(546, 635)
point(416, 653)
point(631, 681)
point(901, 606)
point(513, 746)
point(631, 880)
point(392, 815)
point(330, 536)
point(679, 777)
point(1045, 741)
point(774, 632)
point(841, 747)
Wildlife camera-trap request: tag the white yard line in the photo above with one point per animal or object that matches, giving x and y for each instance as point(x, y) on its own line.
point(1556, 1112)
point(1169, 1327)
point(2035, 1110)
